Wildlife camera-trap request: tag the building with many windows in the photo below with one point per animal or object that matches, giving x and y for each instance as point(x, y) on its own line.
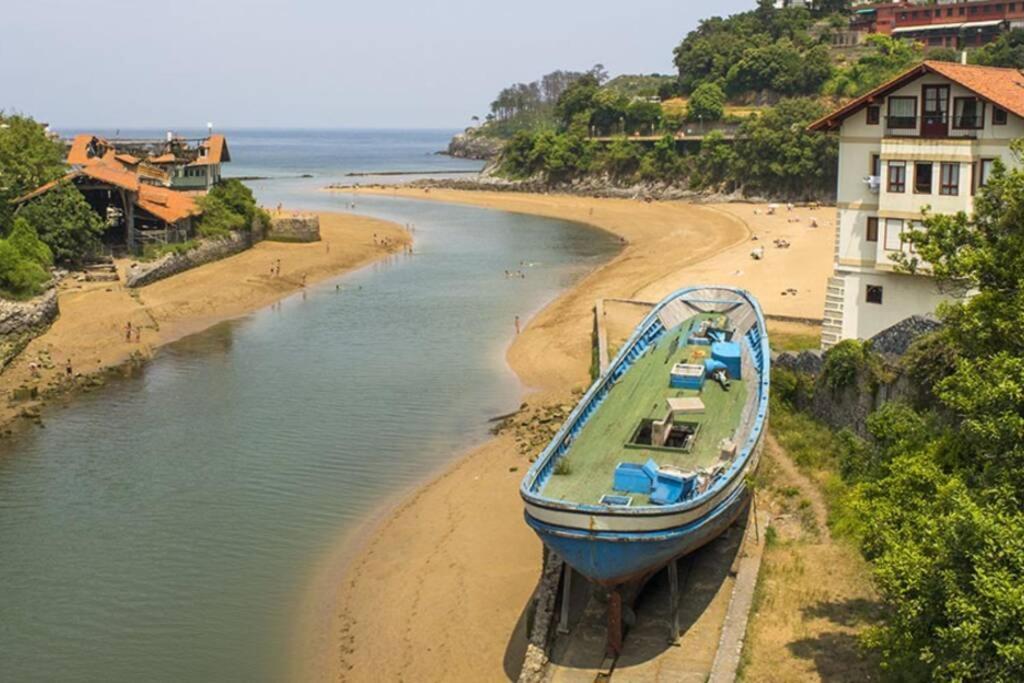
point(946, 23)
point(927, 139)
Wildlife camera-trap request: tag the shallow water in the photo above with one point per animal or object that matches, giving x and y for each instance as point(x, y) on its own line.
point(166, 527)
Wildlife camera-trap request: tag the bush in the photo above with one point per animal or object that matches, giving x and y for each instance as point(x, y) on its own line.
point(229, 206)
point(20, 277)
point(25, 239)
point(707, 103)
point(843, 363)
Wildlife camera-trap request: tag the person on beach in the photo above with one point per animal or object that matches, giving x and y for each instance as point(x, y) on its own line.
point(128, 331)
point(517, 325)
point(303, 279)
point(67, 368)
point(138, 334)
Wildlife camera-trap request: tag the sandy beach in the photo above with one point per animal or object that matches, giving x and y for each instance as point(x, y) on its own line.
point(436, 589)
point(90, 332)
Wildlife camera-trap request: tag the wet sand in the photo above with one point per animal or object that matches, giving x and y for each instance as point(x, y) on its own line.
point(90, 331)
point(436, 588)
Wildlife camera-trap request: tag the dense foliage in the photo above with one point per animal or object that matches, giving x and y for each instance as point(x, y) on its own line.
point(1007, 50)
point(66, 222)
point(763, 49)
point(939, 496)
point(28, 159)
point(227, 207)
point(531, 106)
point(773, 153)
point(24, 262)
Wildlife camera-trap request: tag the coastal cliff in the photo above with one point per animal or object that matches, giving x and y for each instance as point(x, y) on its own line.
point(472, 144)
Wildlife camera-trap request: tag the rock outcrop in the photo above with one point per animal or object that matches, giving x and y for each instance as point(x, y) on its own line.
point(472, 144)
point(895, 340)
point(23, 321)
point(298, 228)
point(143, 273)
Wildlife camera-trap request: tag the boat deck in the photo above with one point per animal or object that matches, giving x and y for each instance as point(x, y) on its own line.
point(641, 393)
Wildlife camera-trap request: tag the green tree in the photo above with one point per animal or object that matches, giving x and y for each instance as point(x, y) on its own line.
point(65, 222)
point(622, 158)
point(24, 238)
point(577, 98)
point(780, 67)
point(28, 159)
point(643, 116)
point(707, 103)
point(781, 157)
point(608, 111)
point(663, 161)
point(887, 57)
point(715, 164)
point(1006, 50)
point(20, 277)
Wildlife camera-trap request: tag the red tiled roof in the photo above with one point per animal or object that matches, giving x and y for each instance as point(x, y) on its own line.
point(106, 172)
point(216, 147)
point(167, 205)
point(79, 151)
point(1001, 87)
point(167, 158)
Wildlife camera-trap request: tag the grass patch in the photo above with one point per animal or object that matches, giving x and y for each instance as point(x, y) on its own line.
point(794, 341)
point(152, 252)
point(819, 452)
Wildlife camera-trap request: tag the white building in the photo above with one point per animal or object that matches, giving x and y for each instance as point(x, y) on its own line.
point(925, 139)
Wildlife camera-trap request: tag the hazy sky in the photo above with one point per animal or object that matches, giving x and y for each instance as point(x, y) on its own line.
point(317, 63)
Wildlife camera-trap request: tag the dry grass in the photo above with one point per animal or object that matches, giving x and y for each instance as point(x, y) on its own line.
point(814, 595)
point(677, 105)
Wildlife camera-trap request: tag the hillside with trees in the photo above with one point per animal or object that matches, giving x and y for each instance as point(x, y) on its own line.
point(746, 86)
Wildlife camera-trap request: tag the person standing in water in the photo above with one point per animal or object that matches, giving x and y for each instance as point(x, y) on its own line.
point(517, 325)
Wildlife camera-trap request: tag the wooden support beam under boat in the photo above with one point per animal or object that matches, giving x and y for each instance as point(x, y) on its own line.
point(615, 630)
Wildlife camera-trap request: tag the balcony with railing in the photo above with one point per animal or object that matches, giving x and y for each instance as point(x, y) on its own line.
point(934, 126)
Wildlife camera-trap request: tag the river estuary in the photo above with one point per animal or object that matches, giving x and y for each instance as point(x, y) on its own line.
point(166, 527)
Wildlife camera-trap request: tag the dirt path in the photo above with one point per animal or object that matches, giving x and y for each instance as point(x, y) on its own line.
point(90, 332)
point(814, 596)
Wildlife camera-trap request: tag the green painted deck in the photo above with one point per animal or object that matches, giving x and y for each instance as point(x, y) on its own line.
point(642, 393)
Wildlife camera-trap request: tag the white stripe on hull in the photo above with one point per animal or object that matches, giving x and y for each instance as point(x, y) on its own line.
point(634, 520)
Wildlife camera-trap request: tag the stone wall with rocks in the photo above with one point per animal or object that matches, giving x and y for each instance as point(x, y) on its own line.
point(23, 321)
point(302, 228)
point(143, 273)
point(850, 405)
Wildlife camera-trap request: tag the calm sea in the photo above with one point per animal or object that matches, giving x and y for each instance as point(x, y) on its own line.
point(167, 527)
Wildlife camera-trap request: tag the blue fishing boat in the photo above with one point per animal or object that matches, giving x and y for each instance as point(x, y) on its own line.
point(653, 461)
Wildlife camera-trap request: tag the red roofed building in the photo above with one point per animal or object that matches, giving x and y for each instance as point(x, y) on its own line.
point(954, 23)
point(927, 138)
point(180, 163)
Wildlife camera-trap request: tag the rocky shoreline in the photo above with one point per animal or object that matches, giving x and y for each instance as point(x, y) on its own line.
point(471, 144)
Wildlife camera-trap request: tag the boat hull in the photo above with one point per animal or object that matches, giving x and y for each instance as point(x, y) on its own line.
point(615, 546)
point(615, 558)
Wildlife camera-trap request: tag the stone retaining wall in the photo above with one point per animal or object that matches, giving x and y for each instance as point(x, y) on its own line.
point(304, 228)
point(23, 321)
point(144, 273)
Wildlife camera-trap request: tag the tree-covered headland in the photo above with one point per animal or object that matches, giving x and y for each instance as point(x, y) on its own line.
point(745, 89)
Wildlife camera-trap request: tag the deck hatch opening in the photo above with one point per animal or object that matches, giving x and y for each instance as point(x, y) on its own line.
point(681, 436)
